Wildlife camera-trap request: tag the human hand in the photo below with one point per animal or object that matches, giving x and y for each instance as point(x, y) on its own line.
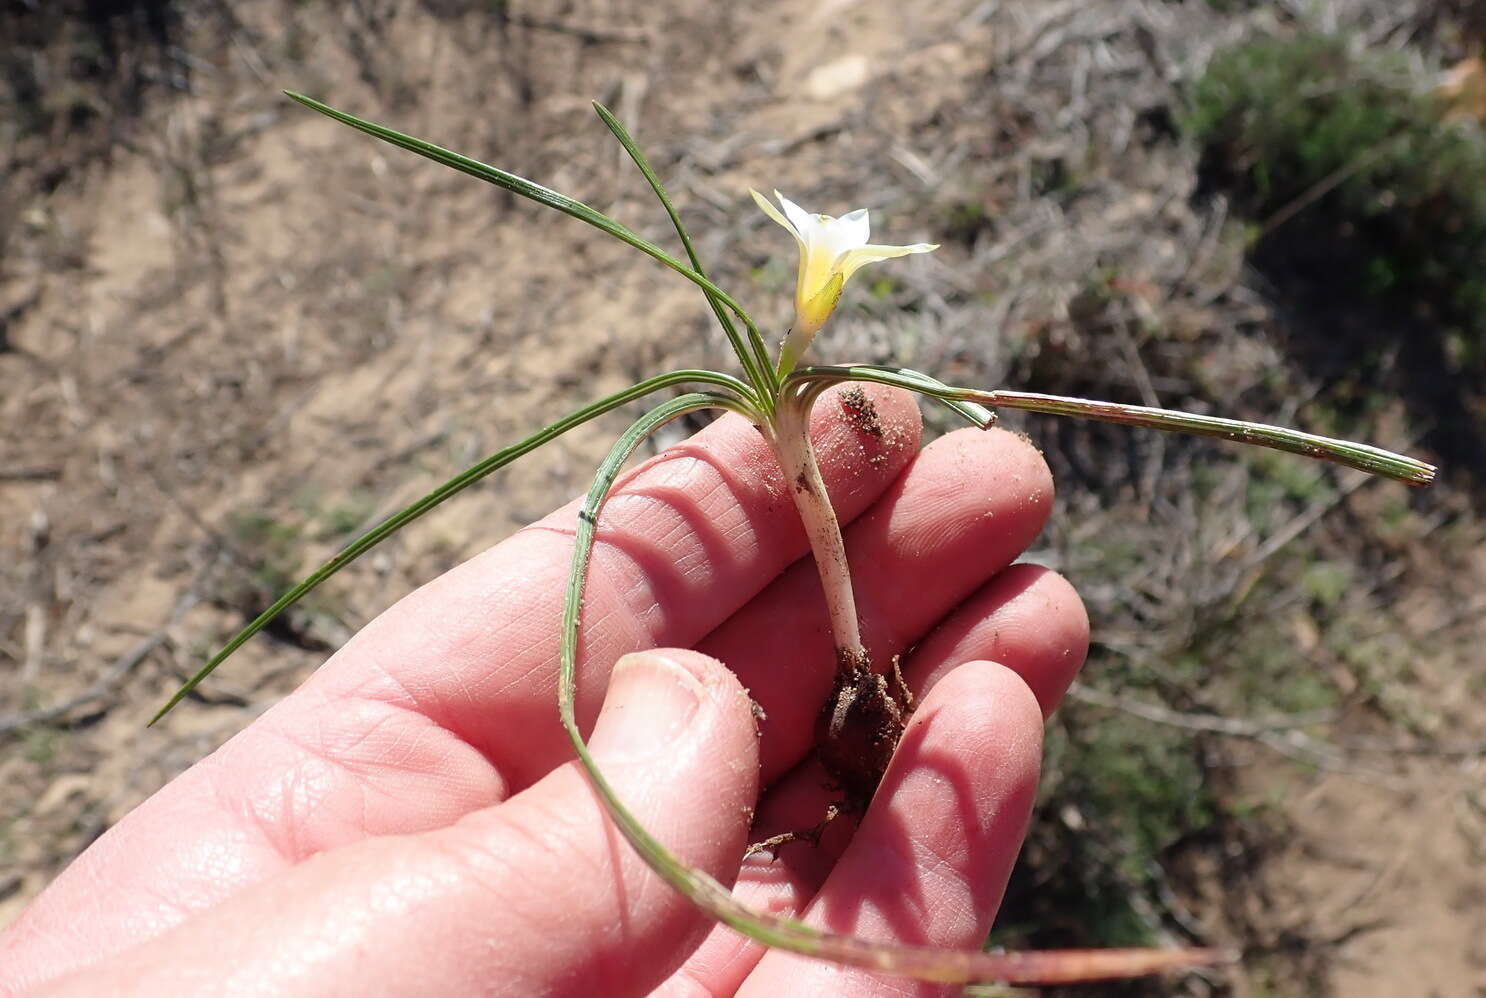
point(411, 821)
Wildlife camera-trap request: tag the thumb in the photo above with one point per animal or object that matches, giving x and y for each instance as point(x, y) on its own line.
point(537, 895)
point(676, 739)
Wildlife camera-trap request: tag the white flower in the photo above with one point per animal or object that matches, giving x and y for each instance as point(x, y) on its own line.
point(831, 250)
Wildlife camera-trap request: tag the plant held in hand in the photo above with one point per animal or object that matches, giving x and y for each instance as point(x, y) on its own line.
point(859, 724)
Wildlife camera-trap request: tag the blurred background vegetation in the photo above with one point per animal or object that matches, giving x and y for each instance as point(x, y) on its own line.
point(231, 336)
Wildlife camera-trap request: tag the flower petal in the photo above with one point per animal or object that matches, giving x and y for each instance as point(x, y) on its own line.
point(855, 228)
point(773, 213)
point(834, 236)
point(811, 315)
point(852, 259)
point(803, 221)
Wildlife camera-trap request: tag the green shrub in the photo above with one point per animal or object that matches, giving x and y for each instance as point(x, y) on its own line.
point(1353, 174)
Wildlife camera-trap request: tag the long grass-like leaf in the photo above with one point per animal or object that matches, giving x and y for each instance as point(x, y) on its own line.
point(937, 391)
point(1363, 457)
point(756, 357)
point(922, 962)
point(542, 195)
point(452, 487)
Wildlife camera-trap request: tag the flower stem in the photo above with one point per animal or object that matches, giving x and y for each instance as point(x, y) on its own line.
point(790, 437)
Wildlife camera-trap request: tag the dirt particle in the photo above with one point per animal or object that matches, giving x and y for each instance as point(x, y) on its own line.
point(1024, 438)
point(860, 411)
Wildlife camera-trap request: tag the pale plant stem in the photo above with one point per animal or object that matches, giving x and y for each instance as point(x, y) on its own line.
point(790, 352)
point(790, 437)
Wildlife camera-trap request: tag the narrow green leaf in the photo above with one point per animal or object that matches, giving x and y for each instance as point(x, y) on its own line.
point(455, 485)
point(1363, 457)
point(758, 359)
point(932, 388)
point(587, 526)
point(541, 195)
point(818, 378)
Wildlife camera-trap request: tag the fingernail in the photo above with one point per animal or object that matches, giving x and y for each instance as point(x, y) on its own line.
point(651, 701)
